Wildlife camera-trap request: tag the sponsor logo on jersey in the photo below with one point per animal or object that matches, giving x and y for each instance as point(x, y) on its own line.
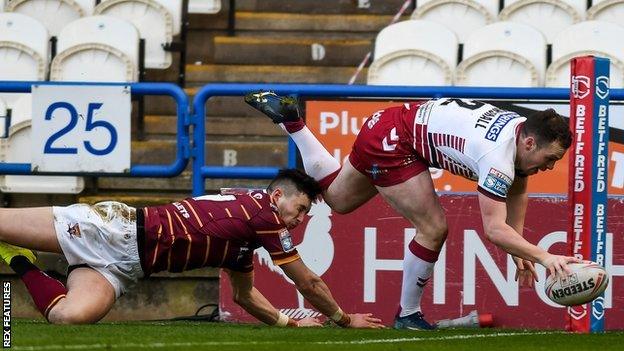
point(497, 182)
point(499, 124)
point(182, 210)
point(286, 241)
point(74, 231)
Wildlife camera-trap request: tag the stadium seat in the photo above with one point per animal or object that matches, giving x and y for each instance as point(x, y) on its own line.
point(23, 56)
point(607, 11)
point(548, 16)
point(54, 14)
point(587, 38)
point(97, 48)
point(461, 16)
point(157, 21)
point(204, 6)
point(23, 47)
point(414, 52)
point(503, 54)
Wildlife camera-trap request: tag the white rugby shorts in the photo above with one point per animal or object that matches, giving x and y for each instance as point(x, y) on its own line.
point(102, 236)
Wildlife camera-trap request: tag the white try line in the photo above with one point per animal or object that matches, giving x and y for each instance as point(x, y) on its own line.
point(254, 343)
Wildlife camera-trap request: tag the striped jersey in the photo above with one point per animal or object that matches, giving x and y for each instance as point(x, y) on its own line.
point(469, 138)
point(215, 231)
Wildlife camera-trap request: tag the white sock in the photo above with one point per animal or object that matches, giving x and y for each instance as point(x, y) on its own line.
point(317, 161)
point(415, 271)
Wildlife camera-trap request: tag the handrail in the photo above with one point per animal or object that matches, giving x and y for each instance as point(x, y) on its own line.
point(202, 171)
point(141, 170)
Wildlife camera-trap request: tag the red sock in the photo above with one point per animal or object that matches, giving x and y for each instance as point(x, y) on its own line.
point(45, 290)
point(423, 253)
point(326, 182)
point(293, 127)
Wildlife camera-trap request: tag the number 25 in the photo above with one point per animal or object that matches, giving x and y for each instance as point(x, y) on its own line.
point(73, 121)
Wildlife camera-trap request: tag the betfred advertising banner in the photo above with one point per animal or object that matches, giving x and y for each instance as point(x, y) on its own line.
point(336, 124)
point(359, 256)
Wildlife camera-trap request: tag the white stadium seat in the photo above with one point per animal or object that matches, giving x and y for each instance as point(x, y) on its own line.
point(548, 16)
point(204, 6)
point(461, 16)
point(503, 54)
point(54, 14)
point(23, 47)
point(97, 48)
point(157, 21)
point(587, 38)
point(607, 11)
point(414, 52)
point(23, 56)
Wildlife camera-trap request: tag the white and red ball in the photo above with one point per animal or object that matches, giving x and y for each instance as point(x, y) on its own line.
point(585, 282)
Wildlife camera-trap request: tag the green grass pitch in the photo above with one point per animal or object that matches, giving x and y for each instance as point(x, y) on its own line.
point(38, 335)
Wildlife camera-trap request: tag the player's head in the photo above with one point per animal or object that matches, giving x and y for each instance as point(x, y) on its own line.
point(293, 191)
point(544, 139)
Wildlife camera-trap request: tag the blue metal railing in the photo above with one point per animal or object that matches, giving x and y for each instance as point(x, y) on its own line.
point(185, 149)
point(202, 171)
point(142, 170)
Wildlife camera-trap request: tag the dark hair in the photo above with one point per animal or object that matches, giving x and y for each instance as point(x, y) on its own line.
point(548, 126)
point(293, 179)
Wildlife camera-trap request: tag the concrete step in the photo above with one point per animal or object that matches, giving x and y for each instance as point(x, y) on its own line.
point(173, 189)
point(153, 298)
point(388, 7)
point(230, 151)
point(277, 21)
point(165, 126)
point(287, 50)
point(218, 106)
point(198, 75)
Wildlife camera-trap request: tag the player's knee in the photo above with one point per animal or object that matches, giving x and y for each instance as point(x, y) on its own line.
point(64, 315)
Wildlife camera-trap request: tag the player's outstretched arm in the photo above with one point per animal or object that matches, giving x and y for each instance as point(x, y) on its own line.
point(494, 215)
point(517, 201)
point(314, 289)
point(252, 300)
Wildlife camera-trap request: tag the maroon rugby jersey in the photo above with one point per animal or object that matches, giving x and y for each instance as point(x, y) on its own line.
point(215, 231)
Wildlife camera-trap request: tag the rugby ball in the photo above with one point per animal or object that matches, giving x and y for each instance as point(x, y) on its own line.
point(585, 282)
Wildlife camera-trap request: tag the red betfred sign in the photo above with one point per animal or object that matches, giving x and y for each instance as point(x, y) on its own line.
point(359, 256)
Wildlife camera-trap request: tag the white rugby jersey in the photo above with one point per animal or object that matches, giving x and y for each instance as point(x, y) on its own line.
point(469, 138)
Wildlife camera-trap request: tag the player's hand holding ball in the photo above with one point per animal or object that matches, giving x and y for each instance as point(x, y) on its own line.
point(583, 282)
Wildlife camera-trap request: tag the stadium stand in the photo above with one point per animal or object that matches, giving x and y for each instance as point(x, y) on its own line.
point(503, 54)
point(607, 10)
point(97, 48)
point(204, 6)
point(585, 38)
point(54, 14)
point(461, 16)
point(414, 52)
point(548, 16)
point(157, 21)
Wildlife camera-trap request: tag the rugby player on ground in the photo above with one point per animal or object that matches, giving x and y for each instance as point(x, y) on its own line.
point(110, 245)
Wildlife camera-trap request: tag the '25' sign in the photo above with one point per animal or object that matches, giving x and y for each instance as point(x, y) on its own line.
point(81, 128)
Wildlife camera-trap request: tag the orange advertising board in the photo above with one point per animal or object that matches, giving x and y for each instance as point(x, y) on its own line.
point(336, 124)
